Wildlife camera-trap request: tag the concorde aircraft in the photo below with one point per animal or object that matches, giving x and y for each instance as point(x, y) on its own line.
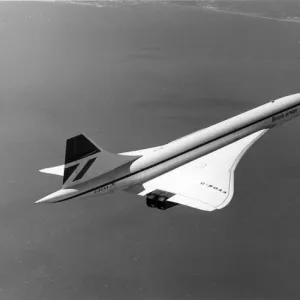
point(196, 170)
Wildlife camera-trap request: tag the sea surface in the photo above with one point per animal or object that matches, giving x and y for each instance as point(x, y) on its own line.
point(134, 77)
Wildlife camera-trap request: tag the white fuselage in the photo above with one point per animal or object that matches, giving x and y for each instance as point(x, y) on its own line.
point(192, 146)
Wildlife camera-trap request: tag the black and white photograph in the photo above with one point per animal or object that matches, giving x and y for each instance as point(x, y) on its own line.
point(150, 150)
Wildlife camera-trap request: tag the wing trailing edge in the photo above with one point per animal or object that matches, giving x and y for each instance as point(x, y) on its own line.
point(206, 183)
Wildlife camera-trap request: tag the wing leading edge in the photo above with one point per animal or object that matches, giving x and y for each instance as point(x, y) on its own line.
point(206, 183)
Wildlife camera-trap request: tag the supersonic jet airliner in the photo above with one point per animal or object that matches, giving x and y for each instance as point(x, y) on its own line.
point(196, 170)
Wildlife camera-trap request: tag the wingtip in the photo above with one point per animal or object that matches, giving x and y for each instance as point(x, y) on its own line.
point(57, 170)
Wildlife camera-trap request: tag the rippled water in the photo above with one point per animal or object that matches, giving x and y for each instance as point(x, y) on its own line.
point(134, 77)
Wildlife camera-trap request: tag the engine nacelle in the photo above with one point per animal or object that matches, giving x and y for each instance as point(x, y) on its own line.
point(159, 200)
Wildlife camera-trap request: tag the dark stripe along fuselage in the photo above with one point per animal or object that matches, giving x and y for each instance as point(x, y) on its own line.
point(142, 174)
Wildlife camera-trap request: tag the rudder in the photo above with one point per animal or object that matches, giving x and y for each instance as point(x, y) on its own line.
point(84, 160)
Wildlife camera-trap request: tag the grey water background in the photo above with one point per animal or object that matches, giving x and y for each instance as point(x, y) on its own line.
point(134, 77)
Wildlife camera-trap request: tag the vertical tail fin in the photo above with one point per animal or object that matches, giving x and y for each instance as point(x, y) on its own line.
point(85, 160)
